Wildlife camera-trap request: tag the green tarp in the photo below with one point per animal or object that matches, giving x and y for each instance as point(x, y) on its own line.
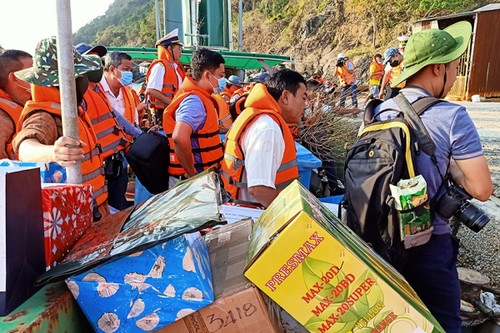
point(237, 60)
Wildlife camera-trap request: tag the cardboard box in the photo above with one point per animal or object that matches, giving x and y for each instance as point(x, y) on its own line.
point(323, 275)
point(235, 213)
point(51, 309)
point(238, 306)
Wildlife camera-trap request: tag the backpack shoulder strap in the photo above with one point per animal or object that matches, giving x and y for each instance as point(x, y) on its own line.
point(412, 114)
point(369, 114)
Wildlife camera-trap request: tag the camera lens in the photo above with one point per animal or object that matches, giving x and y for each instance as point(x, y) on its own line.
point(473, 217)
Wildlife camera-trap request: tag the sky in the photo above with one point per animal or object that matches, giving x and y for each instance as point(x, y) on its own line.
point(25, 22)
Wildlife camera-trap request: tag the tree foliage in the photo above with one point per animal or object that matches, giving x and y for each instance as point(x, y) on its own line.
point(126, 23)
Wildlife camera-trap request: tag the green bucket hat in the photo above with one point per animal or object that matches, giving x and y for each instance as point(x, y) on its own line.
point(434, 46)
point(44, 71)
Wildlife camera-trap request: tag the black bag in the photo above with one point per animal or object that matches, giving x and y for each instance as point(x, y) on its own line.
point(384, 154)
point(113, 166)
point(237, 106)
point(149, 157)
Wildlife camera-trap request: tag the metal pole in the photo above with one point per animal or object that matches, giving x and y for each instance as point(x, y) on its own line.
point(67, 90)
point(229, 26)
point(240, 26)
point(164, 18)
point(157, 19)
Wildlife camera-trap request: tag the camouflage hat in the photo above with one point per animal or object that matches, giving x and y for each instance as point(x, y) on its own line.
point(44, 71)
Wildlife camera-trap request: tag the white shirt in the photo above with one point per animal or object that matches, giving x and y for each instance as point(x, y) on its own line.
point(155, 80)
point(117, 102)
point(263, 147)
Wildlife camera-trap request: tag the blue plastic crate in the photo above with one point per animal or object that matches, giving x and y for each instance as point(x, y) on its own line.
point(334, 199)
point(307, 162)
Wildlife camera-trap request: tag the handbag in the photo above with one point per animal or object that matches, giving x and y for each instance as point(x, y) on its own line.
point(149, 157)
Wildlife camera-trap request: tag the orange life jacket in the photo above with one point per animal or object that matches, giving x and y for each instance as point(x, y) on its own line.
point(14, 111)
point(345, 77)
point(225, 119)
point(208, 137)
point(374, 68)
point(130, 105)
point(129, 111)
point(226, 92)
point(170, 81)
point(259, 103)
point(395, 72)
point(92, 169)
point(108, 133)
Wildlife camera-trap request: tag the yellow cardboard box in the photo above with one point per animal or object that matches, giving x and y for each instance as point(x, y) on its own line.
point(321, 273)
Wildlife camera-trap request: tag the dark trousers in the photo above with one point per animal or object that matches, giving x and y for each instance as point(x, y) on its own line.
point(159, 116)
point(353, 88)
point(432, 273)
point(117, 187)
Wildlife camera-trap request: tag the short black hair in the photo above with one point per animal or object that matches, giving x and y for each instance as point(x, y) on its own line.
point(10, 61)
point(378, 55)
point(284, 79)
point(16, 54)
point(115, 59)
point(205, 59)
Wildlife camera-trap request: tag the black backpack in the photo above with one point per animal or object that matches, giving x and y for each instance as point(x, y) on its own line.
point(149, 157)
point(384, 154)
point(237, 106)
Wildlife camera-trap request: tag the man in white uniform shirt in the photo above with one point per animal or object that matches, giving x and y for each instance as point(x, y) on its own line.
point(165, 75)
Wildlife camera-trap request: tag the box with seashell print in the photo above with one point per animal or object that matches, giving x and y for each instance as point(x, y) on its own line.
point(146, 290)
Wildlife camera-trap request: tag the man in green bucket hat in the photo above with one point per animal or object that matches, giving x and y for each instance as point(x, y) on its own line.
point(431, 62)
point(40, 137)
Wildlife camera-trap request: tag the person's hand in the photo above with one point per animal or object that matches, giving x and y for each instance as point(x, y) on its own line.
point(67, 151)
point(141, 106)
point(380, 95)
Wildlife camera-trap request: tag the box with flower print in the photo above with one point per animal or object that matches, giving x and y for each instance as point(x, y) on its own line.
point(67, 213)
point(146, 290)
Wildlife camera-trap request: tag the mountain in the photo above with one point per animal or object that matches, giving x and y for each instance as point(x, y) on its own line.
point(312, 31)
point(125, 23)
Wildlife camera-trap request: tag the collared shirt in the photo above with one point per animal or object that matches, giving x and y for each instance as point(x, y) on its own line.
point(155, 80)
point(454, 134)
point(117, 102)
point(192, 112)
point(263, 147)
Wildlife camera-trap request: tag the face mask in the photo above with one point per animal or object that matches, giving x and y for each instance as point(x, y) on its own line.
point(95, 76)
point(221, 84)
point(127, 78)
point(394, 63)
point(23, 87)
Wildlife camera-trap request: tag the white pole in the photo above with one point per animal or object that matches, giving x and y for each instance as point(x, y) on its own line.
point(157, 17)
point(67, 90)
point(240, 26)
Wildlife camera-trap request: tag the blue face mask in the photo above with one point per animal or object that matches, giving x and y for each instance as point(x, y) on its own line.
point(221, 82)
point(127, 78)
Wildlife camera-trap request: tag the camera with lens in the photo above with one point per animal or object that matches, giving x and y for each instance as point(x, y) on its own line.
point(341, 62)
point(455, 201)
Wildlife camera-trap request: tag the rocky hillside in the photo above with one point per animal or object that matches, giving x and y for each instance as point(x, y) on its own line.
point(312, 31)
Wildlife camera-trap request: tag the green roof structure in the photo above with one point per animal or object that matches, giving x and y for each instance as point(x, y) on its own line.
point(236, 60)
